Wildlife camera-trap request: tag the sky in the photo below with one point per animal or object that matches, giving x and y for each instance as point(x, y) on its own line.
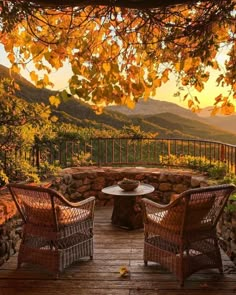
point(166, 92)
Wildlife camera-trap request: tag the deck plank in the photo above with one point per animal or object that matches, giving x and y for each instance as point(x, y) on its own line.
point(113, 248)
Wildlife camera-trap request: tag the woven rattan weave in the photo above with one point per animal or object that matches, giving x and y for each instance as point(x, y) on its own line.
point(182, 235)
point(56, 232)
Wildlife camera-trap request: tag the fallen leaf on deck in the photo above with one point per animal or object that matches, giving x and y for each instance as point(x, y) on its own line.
point(124, 272)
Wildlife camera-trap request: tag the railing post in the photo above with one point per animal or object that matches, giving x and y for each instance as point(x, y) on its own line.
point(168, 147)
point(235, 160)
point(222, 153)
point(5, 161)
point(99, 153)
point(37, 152)
point(37, 156)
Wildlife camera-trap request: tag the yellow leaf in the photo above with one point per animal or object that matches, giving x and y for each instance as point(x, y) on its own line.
point(146, 93)
point(16, 86)
point(33, 76)
point(11, 57)
point(124, 271)
point(54, 100)
point(107, 67)
point(214, 111)
point(165, 76)
point(130, 103)
point(188, 64)
point(215, 65)
point(218, 98)
point(157, 82)
point(45, 79)
point(234, 86)
point(164, 79)
point(178, 66)
point(198, 86)
point(14, 69)
point(190, 103)
point(227, 109)
point(205, 77)
point(54, 119)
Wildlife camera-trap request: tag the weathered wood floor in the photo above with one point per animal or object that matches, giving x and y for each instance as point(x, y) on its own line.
point(114, 248)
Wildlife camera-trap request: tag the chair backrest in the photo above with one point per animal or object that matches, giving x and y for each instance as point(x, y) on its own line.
point(198, 209)
point(42, 206)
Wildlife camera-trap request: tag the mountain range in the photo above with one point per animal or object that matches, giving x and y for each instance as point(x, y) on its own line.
point(167, 119)
point(152, 107)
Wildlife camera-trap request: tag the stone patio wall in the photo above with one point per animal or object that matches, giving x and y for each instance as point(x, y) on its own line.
point(10, 227)
point(227, 230)
point(80, 183)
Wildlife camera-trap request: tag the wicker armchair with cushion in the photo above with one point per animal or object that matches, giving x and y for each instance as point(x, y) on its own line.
point(181, 235)
point(56, 232)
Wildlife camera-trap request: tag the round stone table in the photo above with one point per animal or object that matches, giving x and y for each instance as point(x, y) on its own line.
point(127, 210)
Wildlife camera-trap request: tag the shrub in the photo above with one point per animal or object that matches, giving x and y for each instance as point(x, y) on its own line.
point(81, 159)
point(3, 178)
point(215, 169)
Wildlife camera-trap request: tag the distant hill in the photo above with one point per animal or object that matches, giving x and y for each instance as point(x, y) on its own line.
point(225, 123)
point(168, 119)
point(154, 107)
point(191, 128)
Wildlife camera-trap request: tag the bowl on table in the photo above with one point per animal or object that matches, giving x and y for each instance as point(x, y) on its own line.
point(128, 184)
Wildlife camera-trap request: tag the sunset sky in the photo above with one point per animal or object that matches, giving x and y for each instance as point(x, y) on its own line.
point(60, 79)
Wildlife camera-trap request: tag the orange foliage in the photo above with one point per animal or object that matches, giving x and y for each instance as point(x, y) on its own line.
point(120, 55)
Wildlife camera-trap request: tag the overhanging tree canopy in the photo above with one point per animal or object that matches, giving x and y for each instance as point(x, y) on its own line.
point(121, 51)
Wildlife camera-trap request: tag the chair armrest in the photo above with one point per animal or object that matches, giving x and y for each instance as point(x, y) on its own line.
point(81, 203)
point(173, 197)
point(76, 212)
point(151, 207)
point(157, 206)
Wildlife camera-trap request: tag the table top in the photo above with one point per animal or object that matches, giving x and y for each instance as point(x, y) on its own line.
point(115, 190)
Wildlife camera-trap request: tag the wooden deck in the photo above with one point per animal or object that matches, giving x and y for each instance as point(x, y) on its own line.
point(113, 248)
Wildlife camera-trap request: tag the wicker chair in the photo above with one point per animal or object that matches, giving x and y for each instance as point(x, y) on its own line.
point(181, 235)
point(56, 232)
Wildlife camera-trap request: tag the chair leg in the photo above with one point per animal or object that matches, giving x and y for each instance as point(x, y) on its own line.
point(19, 260)
point(18, 264)
point(145, 262)
point(220, 270)
point(91, 257)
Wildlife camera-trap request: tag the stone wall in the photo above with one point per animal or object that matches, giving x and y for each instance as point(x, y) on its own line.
point(79, 183)
point(227, 230)
point(10, 227)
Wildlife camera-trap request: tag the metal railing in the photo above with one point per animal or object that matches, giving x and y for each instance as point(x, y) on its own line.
point(129, 152)
point(135, 152)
